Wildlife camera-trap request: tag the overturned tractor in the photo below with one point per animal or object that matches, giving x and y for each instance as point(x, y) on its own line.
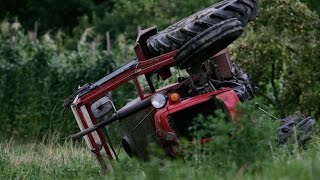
point(163, 114)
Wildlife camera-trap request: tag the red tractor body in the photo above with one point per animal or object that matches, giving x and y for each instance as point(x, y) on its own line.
point(142, 122)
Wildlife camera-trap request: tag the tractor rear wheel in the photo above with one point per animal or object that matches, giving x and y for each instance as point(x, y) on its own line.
point(176, 35)
point(206, 44)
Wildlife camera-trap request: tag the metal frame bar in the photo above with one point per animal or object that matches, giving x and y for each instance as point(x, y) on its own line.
point(144, 67)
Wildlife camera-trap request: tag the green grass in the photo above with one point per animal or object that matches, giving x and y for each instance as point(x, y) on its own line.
point(48, 160)
point(244, 150)
point(70, 161)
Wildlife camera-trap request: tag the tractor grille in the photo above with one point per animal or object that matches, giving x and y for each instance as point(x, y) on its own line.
point(182, 120)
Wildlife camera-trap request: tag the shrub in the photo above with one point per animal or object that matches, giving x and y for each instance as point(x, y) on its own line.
point(250, 140)
point(35, 78)
point(280, 51)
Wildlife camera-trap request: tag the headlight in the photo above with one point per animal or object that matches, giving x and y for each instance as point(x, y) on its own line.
point(158, 101)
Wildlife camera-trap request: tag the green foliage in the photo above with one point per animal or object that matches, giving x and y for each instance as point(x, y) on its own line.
point(107, 14)
point(52, 14)
point(280, 52)
point(35, 78)
point(244, 143)
point(126, 15)
point(211, 126)
point(313, 4)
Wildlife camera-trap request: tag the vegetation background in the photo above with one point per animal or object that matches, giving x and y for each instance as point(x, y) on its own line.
point(49, 47)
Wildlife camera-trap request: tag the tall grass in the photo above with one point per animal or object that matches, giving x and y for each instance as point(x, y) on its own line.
point(46, 160)
point(245, 150)
point(71, 161)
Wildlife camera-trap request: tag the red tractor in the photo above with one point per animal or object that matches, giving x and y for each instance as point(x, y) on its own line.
point(163, 115)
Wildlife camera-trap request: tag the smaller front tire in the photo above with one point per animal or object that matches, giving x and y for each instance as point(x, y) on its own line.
point(296, 129)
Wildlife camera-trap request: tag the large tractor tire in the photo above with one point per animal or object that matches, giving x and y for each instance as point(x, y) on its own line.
point(176, 35)
point(208, 43)
point(296, 129)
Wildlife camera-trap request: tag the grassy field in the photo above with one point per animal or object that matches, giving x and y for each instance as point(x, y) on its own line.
point(46, 160)
point(69, 161)
point(251, 153)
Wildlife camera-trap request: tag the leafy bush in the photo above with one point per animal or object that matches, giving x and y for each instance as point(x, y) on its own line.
point(35, 78)
point(280, 51)
point(126, 16)
point(242, 144)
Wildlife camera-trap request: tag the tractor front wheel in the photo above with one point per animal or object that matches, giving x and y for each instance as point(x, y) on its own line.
point(296, 129)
